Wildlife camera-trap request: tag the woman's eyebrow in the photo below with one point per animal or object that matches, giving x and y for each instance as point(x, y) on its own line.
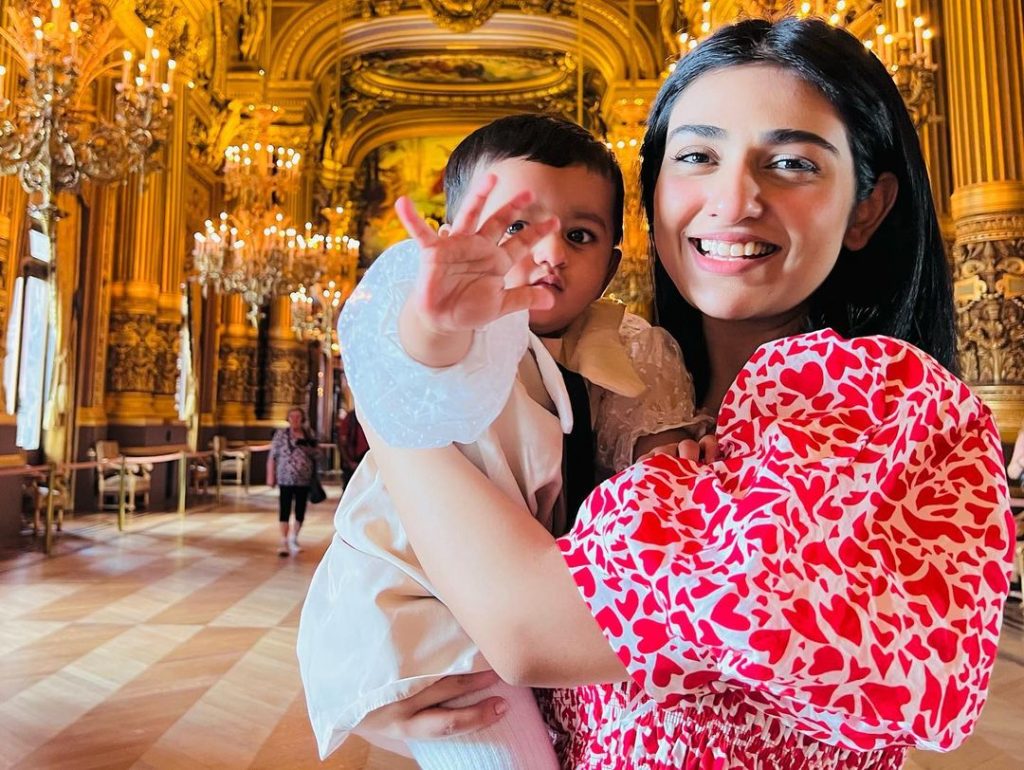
point(776, 136)
point(708, 132)
point(797, 136)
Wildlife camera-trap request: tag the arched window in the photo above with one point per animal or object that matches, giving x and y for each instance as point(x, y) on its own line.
point(30, 340)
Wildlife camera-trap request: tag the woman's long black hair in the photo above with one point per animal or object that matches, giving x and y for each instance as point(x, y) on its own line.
point(899, 283)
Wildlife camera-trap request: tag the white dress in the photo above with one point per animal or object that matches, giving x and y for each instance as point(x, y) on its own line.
point(372, 631)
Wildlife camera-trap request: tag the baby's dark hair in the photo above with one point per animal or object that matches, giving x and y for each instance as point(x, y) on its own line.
point(545, 139)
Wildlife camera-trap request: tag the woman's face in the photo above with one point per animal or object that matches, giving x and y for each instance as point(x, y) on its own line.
point(295, 419)
point(755, 192)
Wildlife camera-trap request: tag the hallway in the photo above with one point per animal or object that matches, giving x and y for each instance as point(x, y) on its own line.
point(172, 646)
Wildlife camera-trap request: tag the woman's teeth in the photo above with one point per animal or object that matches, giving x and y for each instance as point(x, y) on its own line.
point(733, 249)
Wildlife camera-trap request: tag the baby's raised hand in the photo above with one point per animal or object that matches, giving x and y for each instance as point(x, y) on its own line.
point(470, 273)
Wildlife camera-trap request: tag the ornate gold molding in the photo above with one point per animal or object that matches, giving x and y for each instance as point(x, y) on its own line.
point(133, 351)
point(989, 293)
point(460, 15)
point(236, 380)
point(286, 380)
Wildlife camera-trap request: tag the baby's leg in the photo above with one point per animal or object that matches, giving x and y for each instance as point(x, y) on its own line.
point(517, 741)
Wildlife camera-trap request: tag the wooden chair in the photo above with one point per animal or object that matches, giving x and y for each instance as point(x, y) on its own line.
point(39, 493)
point(232, 462)
point(108, 481)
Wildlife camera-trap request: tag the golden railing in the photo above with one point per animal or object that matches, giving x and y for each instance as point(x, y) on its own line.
point(54, 471)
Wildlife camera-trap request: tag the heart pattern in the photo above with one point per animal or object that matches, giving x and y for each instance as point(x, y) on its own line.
point(832, 588)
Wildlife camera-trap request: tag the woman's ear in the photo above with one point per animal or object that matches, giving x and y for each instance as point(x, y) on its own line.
point(871, 212)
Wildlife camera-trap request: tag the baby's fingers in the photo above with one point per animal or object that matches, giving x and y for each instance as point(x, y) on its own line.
point(496, 225)
point(414, 224)
point(469, 215)
point(525, 298)
point(709, 448)
point(521, 245)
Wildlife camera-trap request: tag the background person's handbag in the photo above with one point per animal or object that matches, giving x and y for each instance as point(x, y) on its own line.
point(316, 490)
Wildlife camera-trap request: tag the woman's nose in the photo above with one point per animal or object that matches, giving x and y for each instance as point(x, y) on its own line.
point(736, 195)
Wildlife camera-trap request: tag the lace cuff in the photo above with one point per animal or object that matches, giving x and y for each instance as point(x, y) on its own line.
point(407, 403)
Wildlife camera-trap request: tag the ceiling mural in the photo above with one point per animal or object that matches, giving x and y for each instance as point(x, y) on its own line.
point(445, 69)
point(411, 167)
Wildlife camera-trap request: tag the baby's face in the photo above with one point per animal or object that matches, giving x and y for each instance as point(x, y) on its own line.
point(572, 263)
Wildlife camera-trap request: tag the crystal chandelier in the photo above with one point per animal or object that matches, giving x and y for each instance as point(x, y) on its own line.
point(315, 309)
point(257, 171)
point(257, 255)
point(905, 48)
point(48, 137)
point(255, 250)
point(904, 44)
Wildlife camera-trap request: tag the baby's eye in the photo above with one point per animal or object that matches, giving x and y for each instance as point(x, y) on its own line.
point(515, 227)
point(789, 163)
point(580, 236)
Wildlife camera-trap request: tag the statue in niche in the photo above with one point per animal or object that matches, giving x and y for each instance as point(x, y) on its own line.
point(672, 20)
point(252, 25)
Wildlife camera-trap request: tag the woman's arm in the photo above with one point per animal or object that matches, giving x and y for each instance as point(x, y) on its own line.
point(497, 568)
point(271, 464)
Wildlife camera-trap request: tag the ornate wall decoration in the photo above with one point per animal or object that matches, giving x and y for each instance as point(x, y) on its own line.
point(166, 363)
point(989, 292)
point(460, 15)
point(236, 380)
point(133, 352)
point(287, 376)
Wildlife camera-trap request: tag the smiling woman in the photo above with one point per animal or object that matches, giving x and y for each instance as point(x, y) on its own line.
point(829, 594)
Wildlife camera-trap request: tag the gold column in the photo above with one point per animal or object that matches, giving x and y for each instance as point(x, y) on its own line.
point(287, 363)
point(985, 65)
point(236, 378)
point(633, 283)
point(175, 242)
point(134, 342)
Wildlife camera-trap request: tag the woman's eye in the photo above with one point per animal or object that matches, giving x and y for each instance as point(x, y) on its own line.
point(693, 157)
point(580, 236)
point(515, 227)
point(793, 164)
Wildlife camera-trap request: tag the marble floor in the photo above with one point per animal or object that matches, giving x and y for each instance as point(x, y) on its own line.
point(172, 646)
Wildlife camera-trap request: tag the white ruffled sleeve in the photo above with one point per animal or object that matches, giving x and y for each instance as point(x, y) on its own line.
point(666, 403)
point(407, 403)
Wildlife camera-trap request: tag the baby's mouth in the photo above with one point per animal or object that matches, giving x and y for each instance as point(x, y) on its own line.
point(551, 280)
point(733, 249)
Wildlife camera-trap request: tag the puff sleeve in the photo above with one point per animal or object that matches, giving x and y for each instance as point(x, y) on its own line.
point(845, 567)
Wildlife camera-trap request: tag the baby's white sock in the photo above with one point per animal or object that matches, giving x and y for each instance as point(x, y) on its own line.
point(518, 741)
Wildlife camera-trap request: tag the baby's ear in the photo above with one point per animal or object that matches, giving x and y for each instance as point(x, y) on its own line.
point(444, 229)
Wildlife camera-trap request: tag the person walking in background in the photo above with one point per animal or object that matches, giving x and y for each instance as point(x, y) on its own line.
point(351, 444)
point(291, 465)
